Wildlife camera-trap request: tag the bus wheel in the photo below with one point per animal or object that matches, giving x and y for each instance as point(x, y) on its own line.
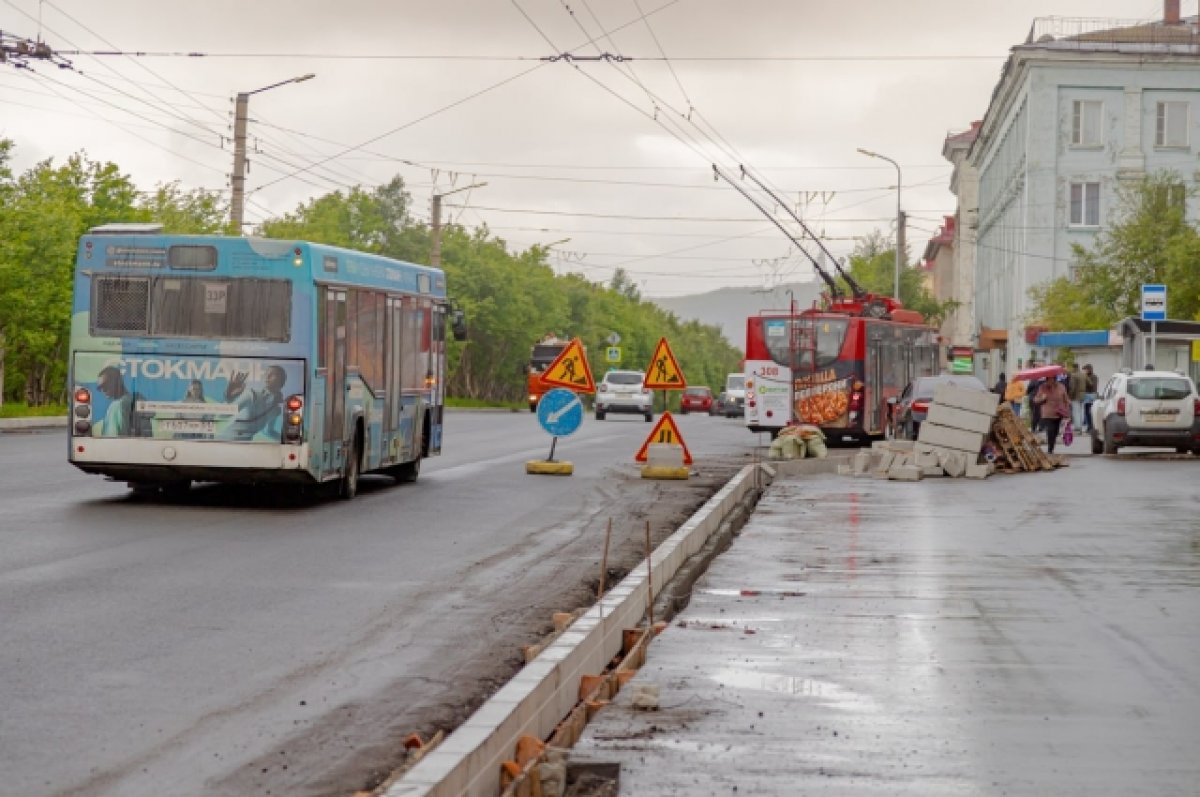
point(143, 490)
point(348, 488)
point(407, 471)
point(177, 489)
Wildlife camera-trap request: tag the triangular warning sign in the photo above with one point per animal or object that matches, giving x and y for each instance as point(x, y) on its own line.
point(665, 431)
point(664, 372)
point(570, 370)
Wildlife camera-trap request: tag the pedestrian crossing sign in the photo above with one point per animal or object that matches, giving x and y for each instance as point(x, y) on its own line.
point(665, 431)
point(664, 372)
point(570, 370)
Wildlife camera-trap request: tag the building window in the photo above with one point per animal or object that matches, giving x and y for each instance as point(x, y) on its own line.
point(1171, 126)
point(1085, 204)
point(1085, 123)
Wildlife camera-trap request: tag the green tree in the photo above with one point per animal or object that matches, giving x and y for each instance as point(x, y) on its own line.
point(873, 266)
point(196, 211)
point(43, 214)
point(1150, 240)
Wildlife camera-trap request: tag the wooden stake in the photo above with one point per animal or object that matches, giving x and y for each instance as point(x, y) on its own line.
point(649, 578)
point(604, 560)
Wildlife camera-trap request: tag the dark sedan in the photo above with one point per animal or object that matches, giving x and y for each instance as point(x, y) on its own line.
point(910, 409)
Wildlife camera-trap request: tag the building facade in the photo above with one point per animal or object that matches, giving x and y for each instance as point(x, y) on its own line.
point(1081, 106)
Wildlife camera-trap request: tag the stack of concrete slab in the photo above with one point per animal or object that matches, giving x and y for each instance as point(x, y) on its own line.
point(955, 430)
point(949, 444)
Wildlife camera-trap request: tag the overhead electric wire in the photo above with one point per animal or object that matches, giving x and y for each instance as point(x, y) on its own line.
point(406, 125)
point(87, 76)
point(481, 57)
point(34, 75)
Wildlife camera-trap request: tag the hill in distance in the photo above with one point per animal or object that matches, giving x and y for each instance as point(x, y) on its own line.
point(728, 308)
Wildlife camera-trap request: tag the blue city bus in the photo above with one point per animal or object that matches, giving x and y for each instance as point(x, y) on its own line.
point(251, 360)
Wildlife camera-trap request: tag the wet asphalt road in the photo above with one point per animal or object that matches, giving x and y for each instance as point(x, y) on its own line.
point(1034, 634)
point(232, 643)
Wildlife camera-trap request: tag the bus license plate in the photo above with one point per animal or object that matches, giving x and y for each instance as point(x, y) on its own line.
point(184, 426)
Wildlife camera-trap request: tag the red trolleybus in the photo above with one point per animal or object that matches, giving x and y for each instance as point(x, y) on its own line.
point(834, 368)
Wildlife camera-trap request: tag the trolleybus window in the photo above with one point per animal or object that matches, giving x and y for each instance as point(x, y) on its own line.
point(830, 334)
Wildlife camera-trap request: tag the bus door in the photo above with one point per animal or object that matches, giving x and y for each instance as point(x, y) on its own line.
point(335, 381)
point(392, 380)
point(873, 378)
point(436, 313)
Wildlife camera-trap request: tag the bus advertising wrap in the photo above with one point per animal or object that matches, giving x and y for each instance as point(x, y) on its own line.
point(187, 398)
point(823, 398)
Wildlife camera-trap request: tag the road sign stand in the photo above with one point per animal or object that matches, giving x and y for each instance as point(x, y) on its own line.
point(560, 412)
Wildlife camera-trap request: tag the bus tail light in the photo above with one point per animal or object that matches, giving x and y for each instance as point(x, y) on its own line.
point(293, 428)
point(856, 397)
point(82, 410)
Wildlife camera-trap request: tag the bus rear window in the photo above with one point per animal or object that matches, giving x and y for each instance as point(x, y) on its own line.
point(121, 305)
point(193, 307)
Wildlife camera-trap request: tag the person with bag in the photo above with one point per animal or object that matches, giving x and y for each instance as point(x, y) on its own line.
point(1055, 405)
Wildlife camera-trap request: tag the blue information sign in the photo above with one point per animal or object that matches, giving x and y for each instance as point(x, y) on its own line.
point(1154, 302)
point(560, 412)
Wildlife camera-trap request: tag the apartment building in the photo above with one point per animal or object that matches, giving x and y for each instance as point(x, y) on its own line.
point(1081, 105)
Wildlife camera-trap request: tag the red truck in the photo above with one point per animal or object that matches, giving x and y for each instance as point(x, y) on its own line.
point(544, 352)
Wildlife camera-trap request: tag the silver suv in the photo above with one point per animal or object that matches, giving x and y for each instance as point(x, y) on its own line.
point(622, 391)
point(1146, 408)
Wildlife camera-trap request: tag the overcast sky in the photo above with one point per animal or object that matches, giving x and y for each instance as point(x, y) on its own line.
point(448, 93)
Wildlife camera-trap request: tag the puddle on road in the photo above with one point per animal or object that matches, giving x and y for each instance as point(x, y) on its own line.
point(825, 692)
point(751, 593)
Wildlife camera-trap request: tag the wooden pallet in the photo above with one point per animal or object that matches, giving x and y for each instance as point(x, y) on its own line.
point(1016, 447)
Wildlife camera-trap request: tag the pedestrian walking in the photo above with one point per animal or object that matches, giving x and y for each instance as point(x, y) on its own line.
point(1076, 383)
point(1014, 394)
point(1035, 409)
point(1054, 405)
point(1091, 385)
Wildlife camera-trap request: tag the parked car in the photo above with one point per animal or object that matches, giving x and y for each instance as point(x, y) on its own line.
point(718, 405)
point(696, 399)
point(1146, 408)
point(735, 395)
point(909, 410)
point(622, 392)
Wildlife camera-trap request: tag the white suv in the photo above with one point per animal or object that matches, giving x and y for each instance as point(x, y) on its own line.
point(622, 391)
point(1146, 408)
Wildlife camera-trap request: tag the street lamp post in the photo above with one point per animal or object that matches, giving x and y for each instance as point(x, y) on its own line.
point(237, 204)
point(435, 224)
point(899, 219)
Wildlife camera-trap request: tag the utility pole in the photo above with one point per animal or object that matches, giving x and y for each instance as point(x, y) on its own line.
point(435, 224)
point(237, 181)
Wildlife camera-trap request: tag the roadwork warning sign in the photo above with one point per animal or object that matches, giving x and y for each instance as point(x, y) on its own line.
point(664, 372)
point(665, 431)
point(570, 370)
